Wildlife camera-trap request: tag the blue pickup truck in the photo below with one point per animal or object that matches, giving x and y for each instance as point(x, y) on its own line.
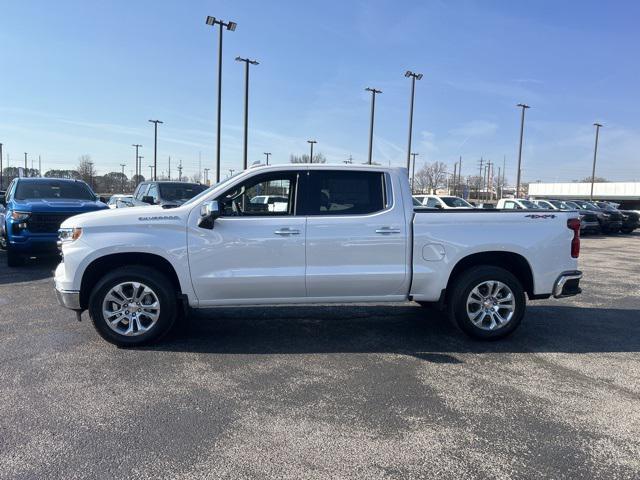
point(33, 210)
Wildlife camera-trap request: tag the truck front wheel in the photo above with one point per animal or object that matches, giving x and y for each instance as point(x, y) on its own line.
point(133, 306)
point(487, 302)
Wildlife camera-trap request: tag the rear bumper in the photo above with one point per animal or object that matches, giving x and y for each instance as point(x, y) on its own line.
point(567, 284)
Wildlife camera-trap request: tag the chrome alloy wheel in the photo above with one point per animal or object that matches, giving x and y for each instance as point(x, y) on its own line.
point(131, 308)
point(490, 305)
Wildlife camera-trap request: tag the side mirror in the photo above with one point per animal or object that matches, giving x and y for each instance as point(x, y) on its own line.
point(149, 200)
point(104, 199)
point(438, 206)
point(209, 211)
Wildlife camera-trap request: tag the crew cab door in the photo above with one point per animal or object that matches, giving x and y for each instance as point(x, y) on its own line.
point(255, 251)
point(356, 235)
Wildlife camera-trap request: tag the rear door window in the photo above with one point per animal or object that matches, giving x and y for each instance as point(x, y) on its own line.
point(339, 192)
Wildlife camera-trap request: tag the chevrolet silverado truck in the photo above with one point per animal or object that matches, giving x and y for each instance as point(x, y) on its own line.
point(347, 234)
point(35, 208)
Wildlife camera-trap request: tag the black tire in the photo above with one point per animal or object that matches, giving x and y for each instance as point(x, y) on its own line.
point(14, 259)
point(150, 277)
point(627, 230)
point(464, 283)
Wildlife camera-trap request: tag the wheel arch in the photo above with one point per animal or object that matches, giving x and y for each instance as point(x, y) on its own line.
point(102, 265)
point(510, 261)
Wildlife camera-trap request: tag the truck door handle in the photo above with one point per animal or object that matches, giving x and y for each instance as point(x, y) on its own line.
point(287, 231)
point(387, 230)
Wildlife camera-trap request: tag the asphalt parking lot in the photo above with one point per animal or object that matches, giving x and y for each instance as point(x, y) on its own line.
point(328, 391)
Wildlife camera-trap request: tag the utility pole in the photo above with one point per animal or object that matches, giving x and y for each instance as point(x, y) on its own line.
point(231, 26)
point(311, 142)
point(267, 154)
point(504, 169)
point(413, 76)
point(180, 171)
point(373, 112)
point(155, 148)
point(523, 107)
point(169, 167)
point(455, 177)
point(39, 166)
point(460, 175)
point(140, 165)
point(247, 62)
point(490, 179)
point(137, 146)
point(26, 168)
point(595, 155)
point(413, 173)
point(501, 185)
point(123, 165)
point(480, 178)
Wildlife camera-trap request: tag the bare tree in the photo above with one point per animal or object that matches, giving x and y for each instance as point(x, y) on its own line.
point(85, 168)
point(304, 158)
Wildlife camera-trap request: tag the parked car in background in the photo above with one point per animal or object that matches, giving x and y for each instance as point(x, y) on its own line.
point(443, 201)
point(349, 234)
point(588, 220)
point(3, 194)
point(517, 204)
point(35, 208)
point(610, 222)
point(630, 219)
point(165, 193)
point(121, 200)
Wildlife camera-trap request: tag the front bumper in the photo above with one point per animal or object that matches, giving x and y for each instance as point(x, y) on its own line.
point(567, 284)
point(67, 299)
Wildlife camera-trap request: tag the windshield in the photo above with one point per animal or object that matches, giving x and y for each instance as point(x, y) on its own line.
point(456, 202)
point(560, 205)
point(529, 205)
point(606, 206)
point(53, 189)
point(179, 192)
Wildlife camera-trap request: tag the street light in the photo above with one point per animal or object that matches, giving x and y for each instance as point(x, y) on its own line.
point(267, 154)
point(155, 147)
point(373, 110)
point(523, 107)
point(137, 146)
point(413, 76)
point(140, 164)
point(25, 164)
point(413, 174)
point(595, 154)
point(311, 142)
point(231, 26)
point(247, 62)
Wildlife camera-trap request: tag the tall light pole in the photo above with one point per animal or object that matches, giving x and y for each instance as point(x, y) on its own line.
point(413, 172)
point(231, 26)
point(25, 164)
point(140, 164)
point(595, 155)
point(137, 146)
point(413, 76)
point(247, 62)
point(311, 142)
point(267, 154)
point(180, 171)
point(1, 178)
point(123, 165)
point(523, 107)
point(155, 147)
point(373, 112)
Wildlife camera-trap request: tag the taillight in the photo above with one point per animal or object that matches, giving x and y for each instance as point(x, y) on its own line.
point(574, 224)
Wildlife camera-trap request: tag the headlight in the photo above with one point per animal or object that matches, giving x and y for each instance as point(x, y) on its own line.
point(68, 235)
point(20, 216)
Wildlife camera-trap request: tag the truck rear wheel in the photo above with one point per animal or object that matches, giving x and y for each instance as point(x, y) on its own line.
point(133, 306)
point(487, 302)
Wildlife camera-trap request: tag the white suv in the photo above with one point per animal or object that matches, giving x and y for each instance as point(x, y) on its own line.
point(445, 202)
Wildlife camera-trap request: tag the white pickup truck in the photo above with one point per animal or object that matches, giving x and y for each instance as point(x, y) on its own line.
point(347, 234)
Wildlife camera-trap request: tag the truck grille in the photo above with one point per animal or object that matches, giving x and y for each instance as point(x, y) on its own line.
point(590, 217)
point(46, 222)
point(616, 217)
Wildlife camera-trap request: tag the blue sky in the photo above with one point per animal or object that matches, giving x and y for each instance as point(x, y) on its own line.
point(82, 77)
